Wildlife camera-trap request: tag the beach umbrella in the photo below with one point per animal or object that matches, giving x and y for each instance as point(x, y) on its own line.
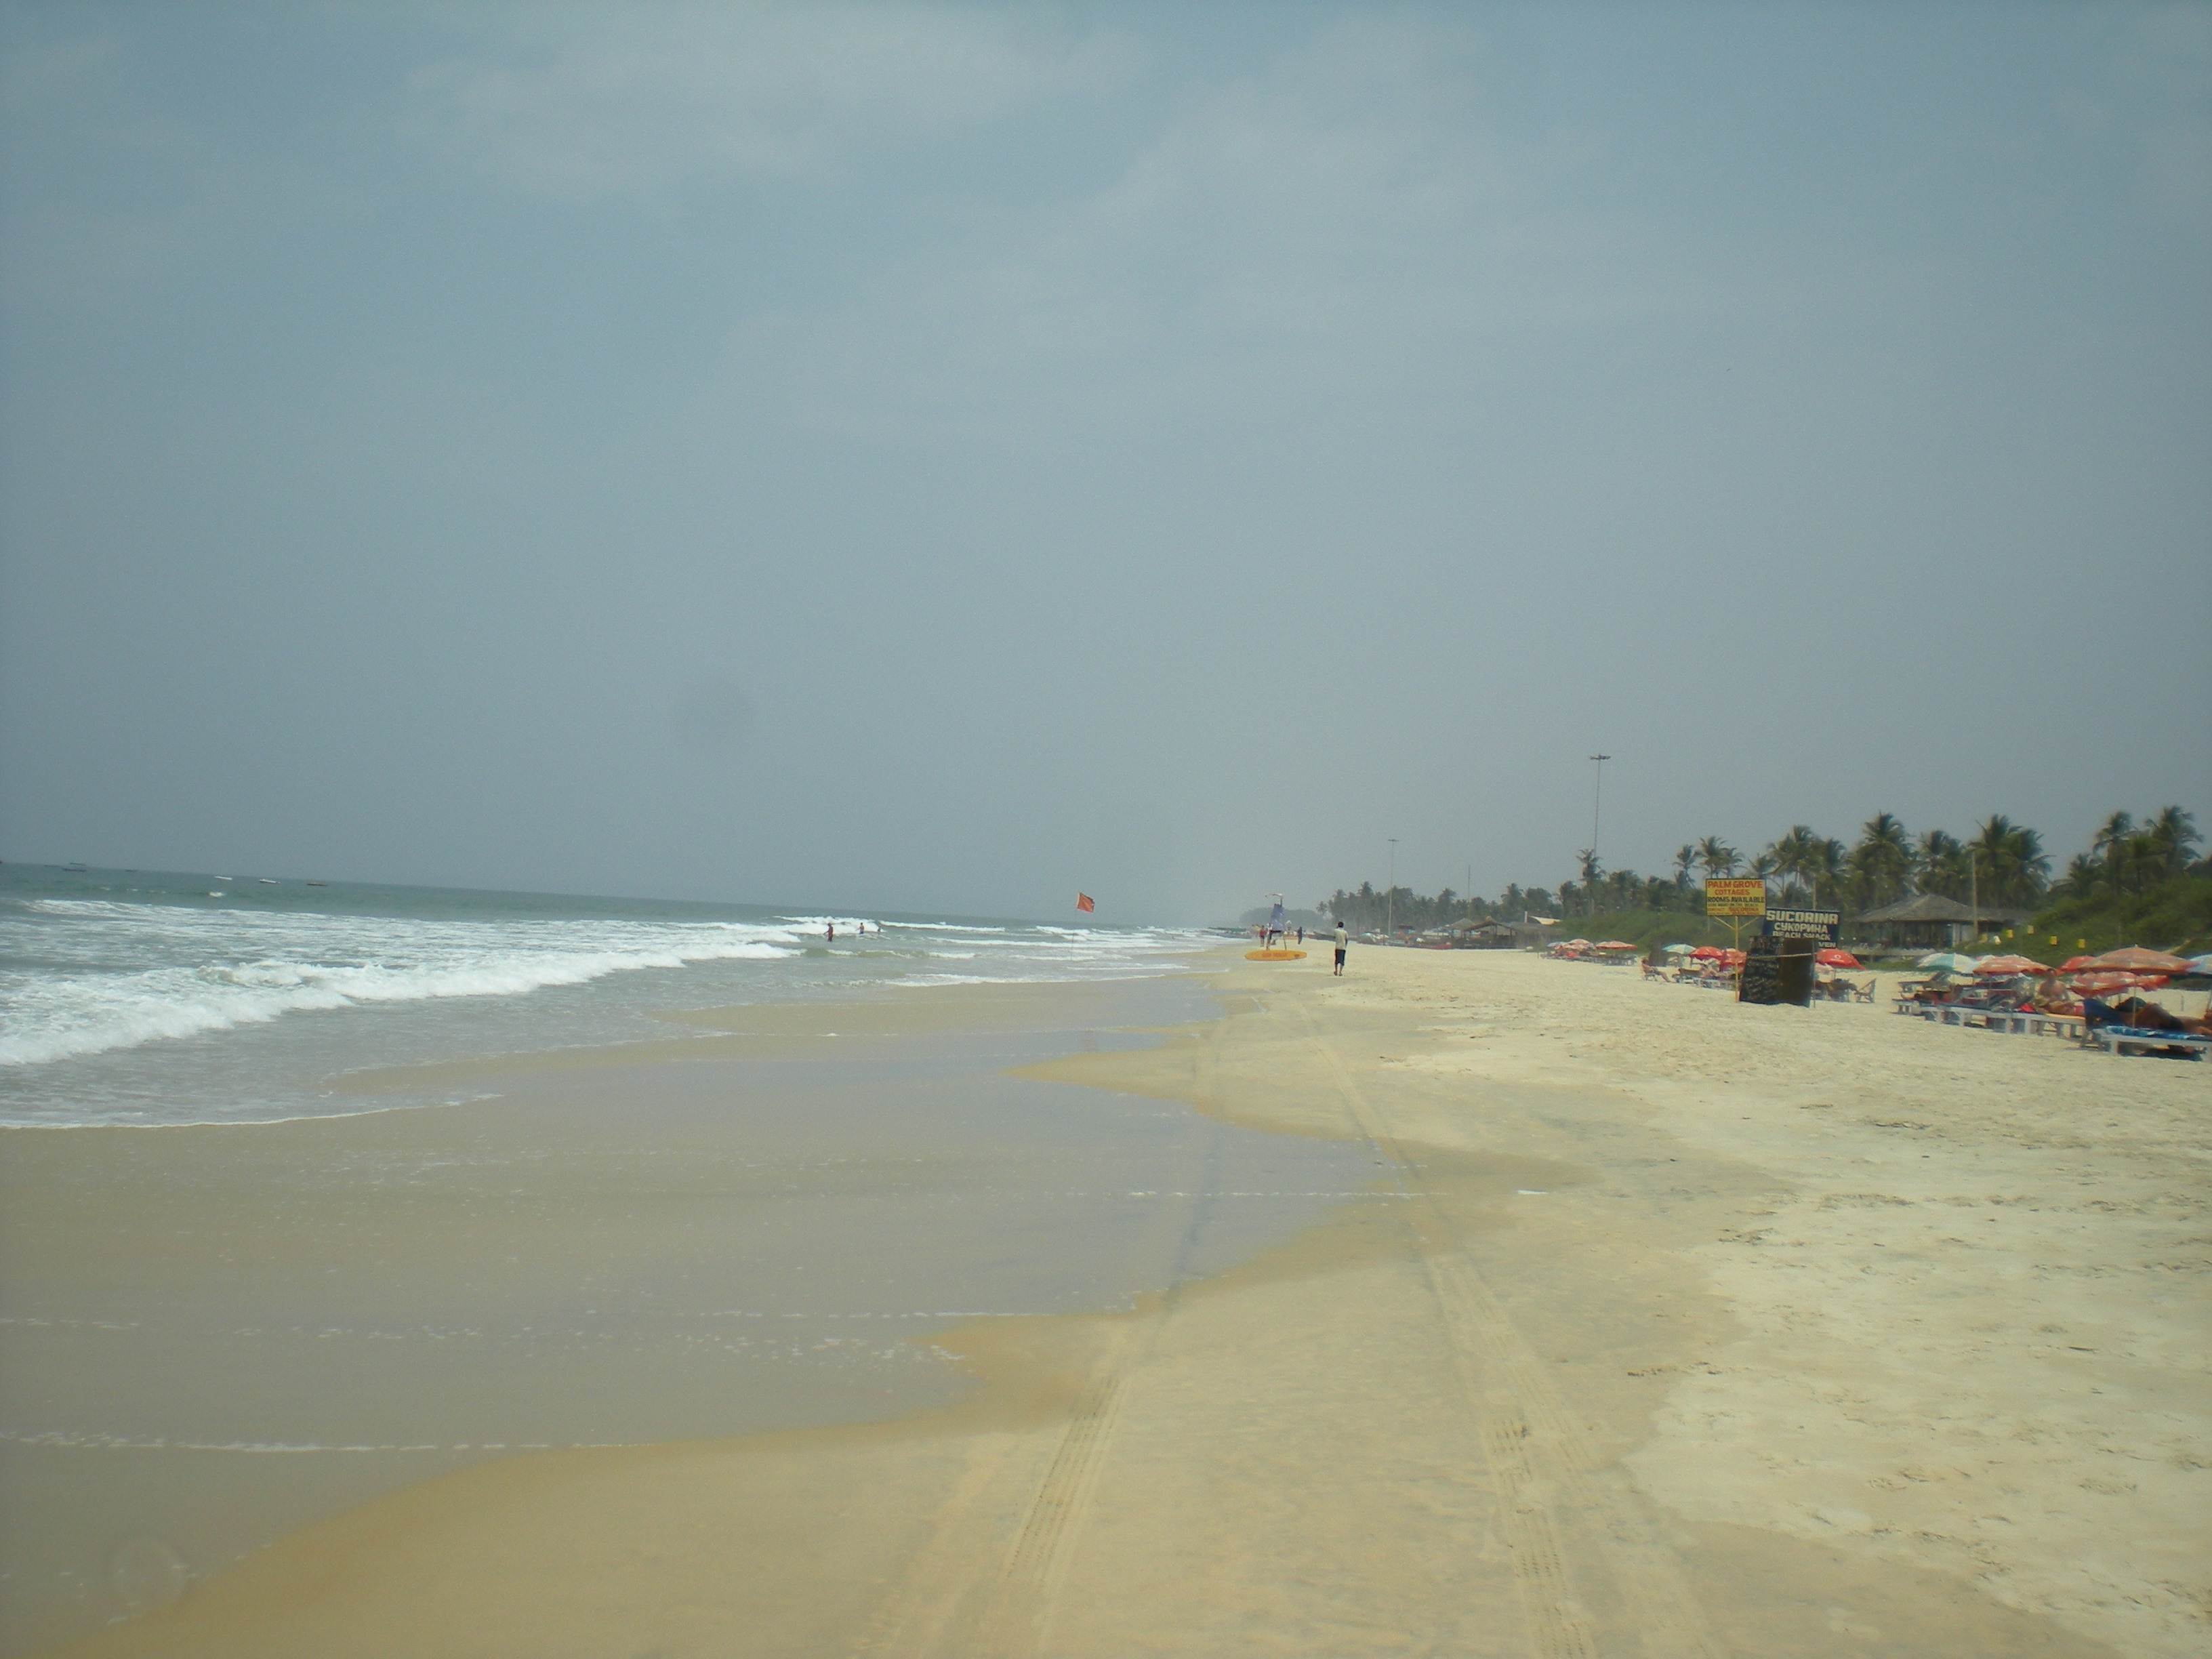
point(2201, 965)
point(1950, 962)
point(1709, 953)
point(1581, 944)
point(1616, 944)
point(2135, 959)
point(2010, 965)
point(1684, 950)
point(1835, 958)
point(2075, 965)
point(1732, 959)
point(2102, 984)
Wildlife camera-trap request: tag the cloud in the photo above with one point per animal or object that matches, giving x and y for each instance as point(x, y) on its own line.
point(1346, 194)
point(641, 101)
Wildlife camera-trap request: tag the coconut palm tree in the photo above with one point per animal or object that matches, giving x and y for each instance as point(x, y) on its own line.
point(1793, 860)
point(1686, 860)
point(1763, 866)
point(2175, 833)
point(2111, 840)
point(2013, 867)
point(1825, 863)
point(1942, 861)
point(1883, 858)
point(2084, 875)
point(1718, 858)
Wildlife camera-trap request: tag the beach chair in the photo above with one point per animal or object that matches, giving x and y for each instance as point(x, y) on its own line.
point(2118, 1040)
point(1863, 993)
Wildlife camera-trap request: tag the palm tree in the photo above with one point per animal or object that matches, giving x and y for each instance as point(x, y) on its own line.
point(1823, 863)
point(2175, 833)
point(2083, 875)
point(1763, 866)
point(2014, 868)
point(1793, 858)
point(1718, 858)
point(1943, 864)
point(2111, 840)
point(1883, 858)
point(1686, 860)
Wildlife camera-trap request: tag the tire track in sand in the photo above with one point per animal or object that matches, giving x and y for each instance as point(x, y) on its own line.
point(1538, 1462)
point(944, 1603)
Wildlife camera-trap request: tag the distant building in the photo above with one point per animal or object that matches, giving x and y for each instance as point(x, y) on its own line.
point(1931, 920)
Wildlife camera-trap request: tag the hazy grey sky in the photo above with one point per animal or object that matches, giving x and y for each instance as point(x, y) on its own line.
point(940, 457)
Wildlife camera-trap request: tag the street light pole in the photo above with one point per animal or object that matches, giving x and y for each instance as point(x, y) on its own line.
point(1597, 794)
point(1390, 894)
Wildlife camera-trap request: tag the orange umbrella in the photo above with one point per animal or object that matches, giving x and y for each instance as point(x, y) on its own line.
point(2104, 984)
point(2133, 959)
point(1709, 953)
point(1834, 958)
point(2010, 965)
point(1733, 958)
point(2075, 965)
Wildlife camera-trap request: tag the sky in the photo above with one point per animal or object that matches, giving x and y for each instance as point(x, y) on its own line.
point(941, 457)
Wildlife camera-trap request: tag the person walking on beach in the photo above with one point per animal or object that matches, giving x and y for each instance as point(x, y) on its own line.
point(1343, 939)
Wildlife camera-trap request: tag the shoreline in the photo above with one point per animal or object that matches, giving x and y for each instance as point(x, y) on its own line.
point(1668, 1326)
point(613, 1248)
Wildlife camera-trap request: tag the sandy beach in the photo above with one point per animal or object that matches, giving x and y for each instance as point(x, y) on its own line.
point(1657, 1326)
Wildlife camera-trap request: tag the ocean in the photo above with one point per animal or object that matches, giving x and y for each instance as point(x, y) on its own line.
point(137, 997)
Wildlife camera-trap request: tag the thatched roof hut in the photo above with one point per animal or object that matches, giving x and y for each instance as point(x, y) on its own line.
point(1931, 919)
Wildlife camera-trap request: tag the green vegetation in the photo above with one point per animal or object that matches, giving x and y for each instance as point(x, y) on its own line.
point(1648, 930)
point(2172, 915)
point(2134, 884)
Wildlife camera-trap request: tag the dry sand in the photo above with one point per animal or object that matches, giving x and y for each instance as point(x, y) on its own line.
point(1671, 1328)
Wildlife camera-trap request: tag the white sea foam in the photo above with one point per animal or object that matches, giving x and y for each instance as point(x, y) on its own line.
point(86, 976)
point(219, 969)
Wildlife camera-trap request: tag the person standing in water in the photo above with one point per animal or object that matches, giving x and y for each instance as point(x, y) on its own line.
point(1343, 940)
point(829, 934)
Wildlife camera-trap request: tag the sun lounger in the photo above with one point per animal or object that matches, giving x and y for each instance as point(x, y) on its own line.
point(2118, 1040)
point(1989, 1020)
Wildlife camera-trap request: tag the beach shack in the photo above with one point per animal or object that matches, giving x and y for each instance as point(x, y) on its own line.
point(1930, 921)
point(1488, 935)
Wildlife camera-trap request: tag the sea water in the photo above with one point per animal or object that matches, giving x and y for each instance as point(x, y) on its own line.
point(209, 1336)
point(145, 998)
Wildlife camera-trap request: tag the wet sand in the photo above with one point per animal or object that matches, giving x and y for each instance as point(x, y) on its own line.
point(1666, 1327)
point(216, 1335)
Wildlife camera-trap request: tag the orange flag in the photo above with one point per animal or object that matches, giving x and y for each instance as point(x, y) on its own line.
point(1085, 901)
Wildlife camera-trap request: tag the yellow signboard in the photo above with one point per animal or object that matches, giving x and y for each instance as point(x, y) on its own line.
point(1735, 897)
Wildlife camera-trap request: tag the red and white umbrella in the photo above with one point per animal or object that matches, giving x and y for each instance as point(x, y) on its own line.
point(1835, 958)
point(2104, 983)
point(2133, 959)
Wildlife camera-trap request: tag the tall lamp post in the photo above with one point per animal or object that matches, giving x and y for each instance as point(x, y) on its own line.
point(1597, 794)
point(1390, 894)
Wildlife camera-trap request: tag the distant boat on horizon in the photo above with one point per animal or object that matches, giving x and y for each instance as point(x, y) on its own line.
point(76, 869)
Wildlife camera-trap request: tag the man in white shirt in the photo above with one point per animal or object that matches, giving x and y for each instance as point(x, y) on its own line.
point(1342, 938)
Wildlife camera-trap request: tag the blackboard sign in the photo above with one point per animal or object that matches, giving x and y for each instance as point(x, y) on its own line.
point(1776, 971)
point(1820, 925)
point(1758, 981)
